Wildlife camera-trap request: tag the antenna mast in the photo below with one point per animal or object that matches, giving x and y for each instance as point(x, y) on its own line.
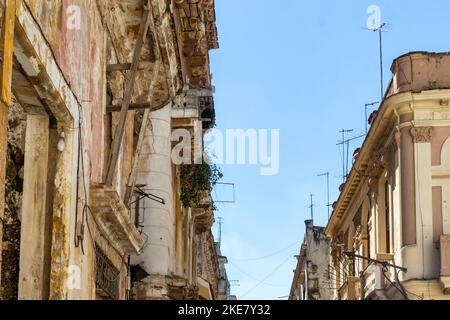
point(345, 155)
point(380, 31)
point(327, 174)
point(311, 206)
point(344, 162)
point(220, 231)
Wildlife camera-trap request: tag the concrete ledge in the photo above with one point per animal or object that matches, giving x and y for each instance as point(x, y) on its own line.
point(204, 289)
point(204, 215)
point(160, 287)
point(112, 217)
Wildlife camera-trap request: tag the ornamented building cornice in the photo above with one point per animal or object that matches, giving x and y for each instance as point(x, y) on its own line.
point(420, 80)
point(421, 134)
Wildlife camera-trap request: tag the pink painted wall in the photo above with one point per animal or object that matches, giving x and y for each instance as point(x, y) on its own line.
point(80, 54)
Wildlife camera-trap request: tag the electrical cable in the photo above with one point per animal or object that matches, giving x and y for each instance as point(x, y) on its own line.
point(268, 276)
point(86, 208)
point(77, 240)
point(252, 277)
point(270, 255)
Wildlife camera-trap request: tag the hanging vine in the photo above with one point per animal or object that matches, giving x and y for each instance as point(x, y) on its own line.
point(196, 180)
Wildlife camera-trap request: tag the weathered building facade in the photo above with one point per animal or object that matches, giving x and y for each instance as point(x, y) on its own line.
point(92, 91)
point(391, 224)
point(311, 277)
point(224, 292)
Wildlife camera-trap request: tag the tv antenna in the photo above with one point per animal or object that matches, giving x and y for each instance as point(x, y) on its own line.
point(220, 231)
point(346, 150)
point(327, 174)
point(344, 143)
point(380, 29)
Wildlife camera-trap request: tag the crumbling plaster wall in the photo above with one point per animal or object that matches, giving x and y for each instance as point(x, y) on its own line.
point(317, 263)
point(122, 20)
point(14, 190)
point(207, 264)
point(80, 54)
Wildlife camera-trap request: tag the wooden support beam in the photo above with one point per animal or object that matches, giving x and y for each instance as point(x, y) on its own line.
point(6, 51)
point(129, 86)
point(148, 110)
point(134, 106)
point(118, 67)
point(138, 106)
point(137, 153)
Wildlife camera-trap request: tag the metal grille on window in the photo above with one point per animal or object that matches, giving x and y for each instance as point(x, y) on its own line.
point(107, 277)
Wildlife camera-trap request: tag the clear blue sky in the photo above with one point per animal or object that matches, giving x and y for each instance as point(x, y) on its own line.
point(306, 68)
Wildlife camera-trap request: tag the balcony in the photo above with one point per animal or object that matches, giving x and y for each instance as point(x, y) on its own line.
point(377, 282)
point(204, 214)
point(112, 218)
point(373, 281)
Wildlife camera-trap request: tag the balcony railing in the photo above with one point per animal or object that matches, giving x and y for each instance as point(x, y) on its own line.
point(107, 277)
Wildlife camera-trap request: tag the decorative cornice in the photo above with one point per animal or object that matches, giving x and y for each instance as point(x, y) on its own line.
point(421, 134)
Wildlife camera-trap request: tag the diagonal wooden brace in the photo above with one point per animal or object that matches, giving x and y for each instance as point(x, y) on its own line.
point(129, 86)
point(145, 121)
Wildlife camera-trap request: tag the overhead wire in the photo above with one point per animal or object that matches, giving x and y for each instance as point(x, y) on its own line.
point(267, 277)
point(272, 254)
point(252, 277)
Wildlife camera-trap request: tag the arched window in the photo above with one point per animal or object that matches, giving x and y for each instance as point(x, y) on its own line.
point(384, 216)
